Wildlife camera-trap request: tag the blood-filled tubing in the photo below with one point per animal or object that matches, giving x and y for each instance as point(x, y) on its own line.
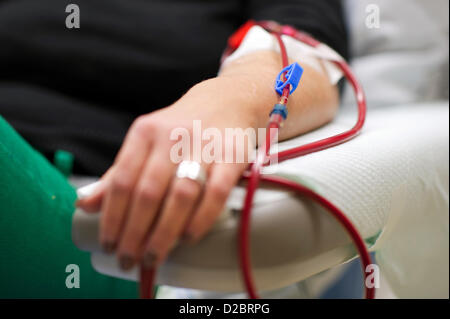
point(253, 175)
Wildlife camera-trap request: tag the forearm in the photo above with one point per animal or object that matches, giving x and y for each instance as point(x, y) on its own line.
point(139, 193)
point(252, 78)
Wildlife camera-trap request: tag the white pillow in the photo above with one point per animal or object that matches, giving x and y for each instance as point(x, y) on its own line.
point(405, 59)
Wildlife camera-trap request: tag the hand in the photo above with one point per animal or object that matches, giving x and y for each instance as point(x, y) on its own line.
point(144, 209)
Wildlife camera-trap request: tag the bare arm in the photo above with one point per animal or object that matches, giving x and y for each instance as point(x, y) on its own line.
point(313, 104)
point(144, 210)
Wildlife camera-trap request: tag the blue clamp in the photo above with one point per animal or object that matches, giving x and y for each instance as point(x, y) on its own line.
point(280, 109)
point(293, 75)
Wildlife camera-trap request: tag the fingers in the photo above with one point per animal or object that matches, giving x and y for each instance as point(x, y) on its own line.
point(144, 210)
point(183, 206)
point(120, 185)
point(222, 179)
point(145, 204)
point(181, 201)
point(92, 203)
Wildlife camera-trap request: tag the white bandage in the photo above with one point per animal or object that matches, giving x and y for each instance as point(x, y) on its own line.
point(258, 39)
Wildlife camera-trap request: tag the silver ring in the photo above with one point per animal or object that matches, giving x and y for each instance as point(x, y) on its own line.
point(191, 170)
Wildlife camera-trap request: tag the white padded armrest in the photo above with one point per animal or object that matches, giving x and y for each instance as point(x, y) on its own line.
point(397, 165)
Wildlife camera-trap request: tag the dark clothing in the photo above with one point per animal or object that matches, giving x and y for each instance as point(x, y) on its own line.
point(80, 89)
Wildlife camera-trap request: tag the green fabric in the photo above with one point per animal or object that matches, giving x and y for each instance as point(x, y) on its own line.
point(63, 161)
point(36, 207)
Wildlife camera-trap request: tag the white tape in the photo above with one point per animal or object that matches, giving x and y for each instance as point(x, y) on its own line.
point(258, 39)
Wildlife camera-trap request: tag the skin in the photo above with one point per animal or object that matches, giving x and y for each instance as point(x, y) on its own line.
point(145, 211)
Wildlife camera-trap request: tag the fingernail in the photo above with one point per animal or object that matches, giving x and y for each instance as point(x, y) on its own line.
point(109, 247)
point(126, 262)
point(149, 260)
point(81, 204)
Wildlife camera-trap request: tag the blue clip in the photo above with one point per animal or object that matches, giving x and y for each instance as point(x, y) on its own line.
point(293, 75)
point(280, 109)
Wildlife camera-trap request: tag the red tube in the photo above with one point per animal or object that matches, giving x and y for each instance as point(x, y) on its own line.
point(146, 283)
point(263, 158)
point(341, 218)
point(255, 174)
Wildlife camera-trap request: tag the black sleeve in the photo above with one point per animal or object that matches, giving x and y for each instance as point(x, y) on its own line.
point(323, 19)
